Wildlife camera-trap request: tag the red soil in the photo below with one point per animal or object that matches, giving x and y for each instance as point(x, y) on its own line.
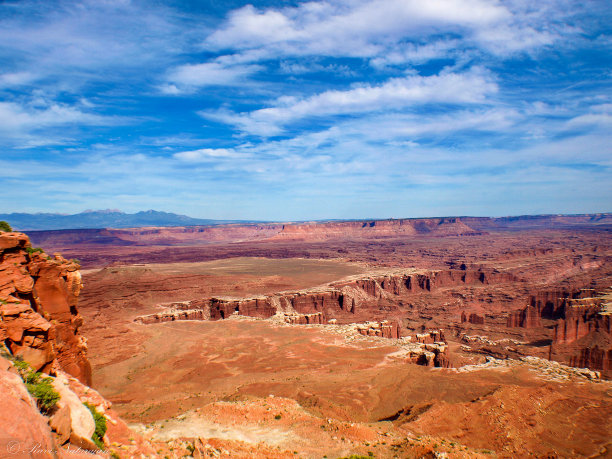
point(512, 285)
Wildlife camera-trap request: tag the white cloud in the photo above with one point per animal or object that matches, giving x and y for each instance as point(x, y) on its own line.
point(398, 93)
point(370, 28)
point(412, 126)
point(190, 76)
point(74, 43)
point(207, 154)
point(416, 53)
point(296, 68)
point(8, 80)
point(17, 117)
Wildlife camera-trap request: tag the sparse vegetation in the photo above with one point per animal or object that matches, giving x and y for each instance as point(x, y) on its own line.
point(100, 421)
point(32, 250)
point(40, 388)
point(5, 227)
point(277, 417)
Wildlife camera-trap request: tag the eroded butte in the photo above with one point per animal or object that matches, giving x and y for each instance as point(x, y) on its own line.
point(402, 337)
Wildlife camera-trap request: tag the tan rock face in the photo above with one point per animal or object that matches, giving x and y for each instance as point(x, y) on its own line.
point(38, 299)
point(82, 425)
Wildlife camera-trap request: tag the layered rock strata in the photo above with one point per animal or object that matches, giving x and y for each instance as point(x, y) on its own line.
point(39, 320)
point(384, 329)
point(472, 318)
point(341, 300)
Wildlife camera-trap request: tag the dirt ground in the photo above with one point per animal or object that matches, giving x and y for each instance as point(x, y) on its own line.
point(254, 388)
point(230, 379)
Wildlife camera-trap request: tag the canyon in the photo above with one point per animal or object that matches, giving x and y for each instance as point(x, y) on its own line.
point(463, 336)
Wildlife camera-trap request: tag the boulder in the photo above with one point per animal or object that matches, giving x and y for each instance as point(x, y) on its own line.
point(61, 423)
point(82, 425)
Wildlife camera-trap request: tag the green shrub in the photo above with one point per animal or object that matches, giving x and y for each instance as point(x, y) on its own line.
point(32, 250)
point(277, 417)
point(100, 421)
point(40, 388)
point(4, 226)
point(44, 393)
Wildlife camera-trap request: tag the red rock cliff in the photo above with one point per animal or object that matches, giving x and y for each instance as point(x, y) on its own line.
point(38, 308)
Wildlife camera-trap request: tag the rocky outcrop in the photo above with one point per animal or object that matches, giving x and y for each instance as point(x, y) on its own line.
point(581, 318)
point(73, 421)
point(528, 317)
point(66, 431)
point(172, 315)
point(472, 318)
point(583, 337)
point(222, 308)
point(38, 307)
point(376, 228)
point(305, 319)
point(431, 337)
point(384, 329)
point(23, 430)
point(428, 355)
point(593, 357)
point(410, 282)
point(343, 300)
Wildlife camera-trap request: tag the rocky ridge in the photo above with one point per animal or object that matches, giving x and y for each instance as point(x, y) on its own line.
point(39, 320)
point(341, 300)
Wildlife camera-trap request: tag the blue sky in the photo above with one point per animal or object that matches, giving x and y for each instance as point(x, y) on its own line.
point(286, 110)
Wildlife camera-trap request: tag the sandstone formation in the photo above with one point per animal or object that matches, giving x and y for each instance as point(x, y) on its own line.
point(22, 427)
point(525, 318)
point(384, 329)
point(172, 315)
point(376, 228)
point(585, 333)
point(305, 319)
point(341, 300)
point(431, 337)
point(472, 318)
point(581, 317)
point(429, 349)
point(38, 299)
point(236, 232)
point(73, 421)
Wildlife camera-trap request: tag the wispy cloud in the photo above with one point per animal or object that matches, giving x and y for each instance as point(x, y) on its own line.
point(207, 154)
point(397, 93)
point(187, 78)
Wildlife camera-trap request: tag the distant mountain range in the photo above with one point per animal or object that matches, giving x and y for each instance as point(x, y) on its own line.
point(103, 219)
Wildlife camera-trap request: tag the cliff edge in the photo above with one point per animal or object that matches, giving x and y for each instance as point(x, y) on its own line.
point(39, 320)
